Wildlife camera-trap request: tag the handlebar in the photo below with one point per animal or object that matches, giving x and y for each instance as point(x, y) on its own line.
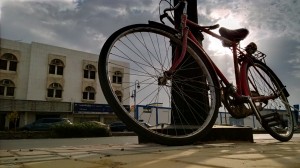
point(166, 15)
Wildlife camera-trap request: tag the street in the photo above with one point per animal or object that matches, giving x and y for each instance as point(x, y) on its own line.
point(127, 153)
point(66, 142)
point(52, 143)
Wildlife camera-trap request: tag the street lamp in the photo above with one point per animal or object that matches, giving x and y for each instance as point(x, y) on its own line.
point(133, 95)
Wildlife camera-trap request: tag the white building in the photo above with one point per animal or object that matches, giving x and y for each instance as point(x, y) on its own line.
point(39, 80)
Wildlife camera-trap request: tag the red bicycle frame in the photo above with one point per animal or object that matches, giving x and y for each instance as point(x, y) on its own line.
point(186, 33)
point(239, 68)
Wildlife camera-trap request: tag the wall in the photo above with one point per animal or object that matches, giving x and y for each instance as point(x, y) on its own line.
point(22, 52)
point(32, 79)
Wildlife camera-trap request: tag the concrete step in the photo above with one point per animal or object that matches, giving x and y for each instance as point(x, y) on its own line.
point(221, 133)
point(231, 133)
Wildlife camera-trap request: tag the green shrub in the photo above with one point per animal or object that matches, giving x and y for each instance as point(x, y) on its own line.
point(80, 130)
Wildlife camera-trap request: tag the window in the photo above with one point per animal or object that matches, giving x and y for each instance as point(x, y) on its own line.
point(3, 64)
point(89, 93)
point(119, 95)
point(89, 72)
point(56, 67)
point(7, 88)
point(117, 77)
point(54, 91)
point(8, 62)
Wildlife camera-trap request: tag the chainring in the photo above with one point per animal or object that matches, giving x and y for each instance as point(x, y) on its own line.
point(237, 109)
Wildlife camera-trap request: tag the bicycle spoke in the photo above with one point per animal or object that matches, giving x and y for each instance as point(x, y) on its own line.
point(275, 113)
point(144, 56)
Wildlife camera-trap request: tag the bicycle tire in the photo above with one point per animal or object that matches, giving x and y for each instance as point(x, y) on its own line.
point(143, 65)
point(276, 114)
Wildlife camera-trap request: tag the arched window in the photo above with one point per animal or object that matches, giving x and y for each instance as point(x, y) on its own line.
point(117, 77)
point(54, 91)
point(7, 88)
point(56, 67)
point(89, 72)
point(119, 95)
point(8, 62)
point(89, 93)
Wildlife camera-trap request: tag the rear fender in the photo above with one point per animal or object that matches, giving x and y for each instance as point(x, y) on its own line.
point(244, 79)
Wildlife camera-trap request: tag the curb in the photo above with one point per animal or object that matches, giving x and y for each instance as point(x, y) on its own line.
point(220, 133)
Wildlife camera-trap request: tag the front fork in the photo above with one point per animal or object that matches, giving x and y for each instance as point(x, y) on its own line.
point(180, 56)
point(245, 91)
point(254, 109)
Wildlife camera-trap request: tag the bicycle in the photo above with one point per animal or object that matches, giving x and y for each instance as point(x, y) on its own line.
point(180, 88)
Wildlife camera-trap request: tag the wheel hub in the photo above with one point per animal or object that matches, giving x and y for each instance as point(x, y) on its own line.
point(163, 80)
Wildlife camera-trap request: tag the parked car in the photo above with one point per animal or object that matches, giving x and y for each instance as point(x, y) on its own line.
point(97, 123)
point(45, 124)
point(118, 126)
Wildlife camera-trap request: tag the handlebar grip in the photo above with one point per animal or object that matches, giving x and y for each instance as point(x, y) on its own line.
point(165, 15)
point(162, 17)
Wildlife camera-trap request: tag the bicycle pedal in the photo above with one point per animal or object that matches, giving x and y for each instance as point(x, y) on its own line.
point(274, 115)
point(272, 119)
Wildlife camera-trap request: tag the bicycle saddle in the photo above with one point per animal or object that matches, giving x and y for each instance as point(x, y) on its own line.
point(234, 35)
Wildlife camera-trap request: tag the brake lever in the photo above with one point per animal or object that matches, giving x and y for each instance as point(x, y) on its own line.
point(165, 15)
point(162, 17)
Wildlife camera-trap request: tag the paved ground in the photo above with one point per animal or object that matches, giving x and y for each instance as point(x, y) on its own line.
point(261, 153)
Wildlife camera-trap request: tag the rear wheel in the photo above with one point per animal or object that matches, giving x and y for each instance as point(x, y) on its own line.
point(180, 107)
point(276, 114)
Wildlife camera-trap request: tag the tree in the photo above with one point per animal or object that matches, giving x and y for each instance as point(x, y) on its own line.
point(13, 117)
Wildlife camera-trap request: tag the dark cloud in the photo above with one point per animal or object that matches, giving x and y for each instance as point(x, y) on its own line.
point(274, 25)
point(82, 25)
point(85, 24)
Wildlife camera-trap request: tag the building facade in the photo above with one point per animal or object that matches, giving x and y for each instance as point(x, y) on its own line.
point(39, 80)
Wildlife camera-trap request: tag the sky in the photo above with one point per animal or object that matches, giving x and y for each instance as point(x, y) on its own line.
point(84, 25)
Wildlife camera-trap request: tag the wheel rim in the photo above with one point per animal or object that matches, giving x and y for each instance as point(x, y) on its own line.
point(147, 90)
point(276, 113)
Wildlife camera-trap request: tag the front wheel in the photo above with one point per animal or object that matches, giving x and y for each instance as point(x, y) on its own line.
point(168, 108)
point(275, 112)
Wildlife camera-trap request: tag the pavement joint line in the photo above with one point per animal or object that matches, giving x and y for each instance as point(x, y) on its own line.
point(235, 149)
point(129, 150)
point(29, 160)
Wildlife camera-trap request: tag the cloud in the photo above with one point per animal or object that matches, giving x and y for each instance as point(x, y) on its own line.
point(274, 25)
point(85, 25)
point(82, 24)
point(295, 63)
point(264, 18)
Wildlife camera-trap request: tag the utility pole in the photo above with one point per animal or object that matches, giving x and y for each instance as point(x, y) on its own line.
point(192, 13)
point(193, 72)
